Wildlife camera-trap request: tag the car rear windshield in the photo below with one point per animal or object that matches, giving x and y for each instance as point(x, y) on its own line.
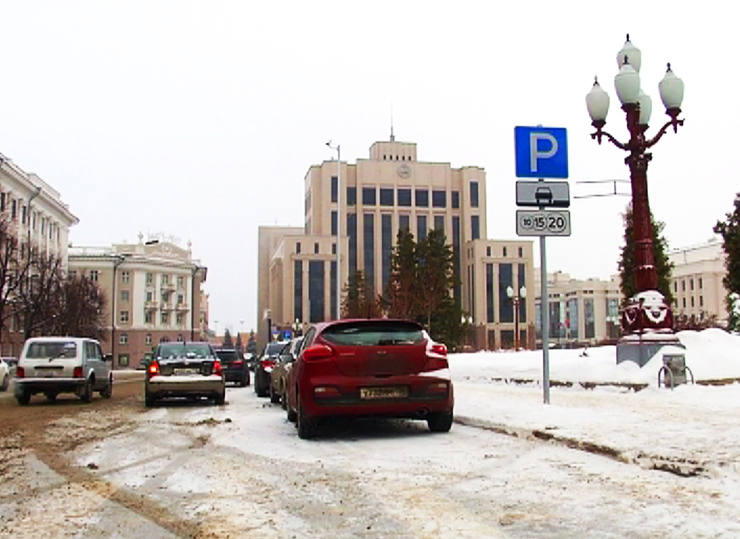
point(39, 350)
point(274, 348)
point(382, 333)
point(227, 355)
point(175, 350)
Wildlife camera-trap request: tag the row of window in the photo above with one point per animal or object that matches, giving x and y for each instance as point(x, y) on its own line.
point(123, 339)
point(691, 284)
point(504, 251)
point(164, 317)
point(692, 302)
point(6, 200)
point(402, 196)
point(94, 275)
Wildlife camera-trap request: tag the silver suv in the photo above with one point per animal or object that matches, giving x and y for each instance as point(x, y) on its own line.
point(53, 365)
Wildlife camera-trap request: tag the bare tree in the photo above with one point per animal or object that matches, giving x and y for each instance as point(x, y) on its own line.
point(39, 293)
point(14, 268)
point(81, 309)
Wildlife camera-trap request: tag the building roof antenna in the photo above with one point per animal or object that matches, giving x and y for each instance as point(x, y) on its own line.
point(393, 137)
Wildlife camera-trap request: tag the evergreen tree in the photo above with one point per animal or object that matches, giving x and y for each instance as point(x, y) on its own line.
point(663, 266)
point(399, 299)
point(730, 232)
point(238, 343)
point(359, 301)
point(435, 277)
point(227, 342)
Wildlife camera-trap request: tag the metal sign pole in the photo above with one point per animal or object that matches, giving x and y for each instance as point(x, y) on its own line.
point(545, 311)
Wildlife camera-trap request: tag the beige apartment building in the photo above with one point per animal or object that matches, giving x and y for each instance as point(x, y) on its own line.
point(389, 190)
point(697, 281)
point(582, 312)
point(154, 293)
point(38, 216)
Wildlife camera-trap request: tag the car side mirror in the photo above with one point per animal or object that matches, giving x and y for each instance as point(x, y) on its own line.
point(108, 357)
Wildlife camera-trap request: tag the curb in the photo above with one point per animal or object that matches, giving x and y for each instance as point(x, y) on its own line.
point(677, 466)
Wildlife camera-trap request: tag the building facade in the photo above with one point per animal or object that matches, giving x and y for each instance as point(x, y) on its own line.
point(154, 292)
point(37, 216)
point(582, 312)
point(696, 280)
point(365, 204)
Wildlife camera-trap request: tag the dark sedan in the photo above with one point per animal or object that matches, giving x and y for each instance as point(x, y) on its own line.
point(376, 368)
point(234, 366)
point(264, 366)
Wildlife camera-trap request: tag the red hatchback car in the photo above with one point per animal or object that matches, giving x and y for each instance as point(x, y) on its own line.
point(369, 368)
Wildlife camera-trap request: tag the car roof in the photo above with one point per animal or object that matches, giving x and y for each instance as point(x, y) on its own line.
point(321, 326)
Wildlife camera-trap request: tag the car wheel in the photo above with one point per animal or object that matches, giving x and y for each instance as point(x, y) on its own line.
point(6, 383)
point(51, 395)
point(245, 380)
point(440, 421)
point(23, 397)
point(220, 398)
point(274, 397)
point(259, 388)
point(87, 391)
point(149, 401)
point(306, 425)
point(107, 391)
point(283, 401)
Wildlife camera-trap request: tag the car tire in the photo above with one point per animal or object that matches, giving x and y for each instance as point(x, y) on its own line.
point(440, 421)
point(87, 391)
point(283, 401)
point(306, 425)
point(23, 397)
point(51, 396)
point(274, 397)
point(107, 391)
point(220, 398)
point(149, 401)
point(245, 380)
point(6, 383)
point(259, 388)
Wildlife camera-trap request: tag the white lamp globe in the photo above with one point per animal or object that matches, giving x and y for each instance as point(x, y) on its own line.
point(671, 90)
point(523, 292)
point(597, 103)
point(627, 84)
point(646, 107)
point(629, 51)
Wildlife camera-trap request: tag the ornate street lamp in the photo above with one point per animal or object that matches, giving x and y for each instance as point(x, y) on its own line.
point(646, 313)
point(516, 298)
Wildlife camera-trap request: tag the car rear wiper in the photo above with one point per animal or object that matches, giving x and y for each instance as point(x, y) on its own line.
point(386, 342)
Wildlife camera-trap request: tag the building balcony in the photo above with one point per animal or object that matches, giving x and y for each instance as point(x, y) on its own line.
point(166, 306)
point(168, 286)
point(182, 307)
point(151, 306)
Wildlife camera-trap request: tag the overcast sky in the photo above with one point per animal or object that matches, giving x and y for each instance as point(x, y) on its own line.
point(199, 119)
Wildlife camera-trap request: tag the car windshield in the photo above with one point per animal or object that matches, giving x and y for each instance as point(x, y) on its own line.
point(227, 355)
point(381, 333)
point(175, 350)
point(274, 348)
point(39, 350)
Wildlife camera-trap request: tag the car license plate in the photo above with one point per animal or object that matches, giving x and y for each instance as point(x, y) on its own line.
point(185, 371)
point(384, 392)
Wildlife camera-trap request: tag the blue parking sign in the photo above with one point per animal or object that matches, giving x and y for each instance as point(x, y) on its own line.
point(541, 152)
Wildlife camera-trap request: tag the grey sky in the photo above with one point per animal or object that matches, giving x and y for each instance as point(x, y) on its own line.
point(200, 118)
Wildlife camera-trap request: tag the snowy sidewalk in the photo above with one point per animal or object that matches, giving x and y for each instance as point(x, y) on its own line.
point(689, 430)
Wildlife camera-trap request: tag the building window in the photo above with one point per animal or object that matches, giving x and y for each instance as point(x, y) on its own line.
point(124, 317)
point(386, 196)
point(475, 227)
point(148, 339)
point(683, 287)
point(316, 290)
point(298, 247)
point(180, 319)
point(488, 250)
point(403, 222)
point(165, 279)
point(316, 248)
point(180, 338)
point(352, 242)
point(521, 252)
point(334, 188)
point(368, 196)
point(404, 198)
point(124, 295)
point(455, 200)
point(125, 277)
point(386, 247)
point(94, 276)
point(180, 299)
point(333, 248)
point(473, 194)
point(701, 283)
point(149, 279)
point(692, 302)
point(123, 360)
point(439, 199)
point(691, 284)
point(13, 210)
point(421, 227)
point(123, 338)
point(675, 286)
point(149, 317)
point(439, 223)
point(149, 296)
point(165, 318)
point(180, 281)
point(422, 198)
point(72, 274)
point(683, 302)
point(504, 252)
point(490, 283)
point(298, 290)
point(368, 249)
point(23, 215)
point(351, 196)
point(701, 301)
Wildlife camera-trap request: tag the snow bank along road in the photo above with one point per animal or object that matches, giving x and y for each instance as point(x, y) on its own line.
point(116, 469)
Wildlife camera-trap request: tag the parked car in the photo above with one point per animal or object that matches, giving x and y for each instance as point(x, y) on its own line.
point(234, 366)
point(264, 366)
point(371, 367)
point(4, 374)
point(280, 370)
point(53, 365)
point(184, 369)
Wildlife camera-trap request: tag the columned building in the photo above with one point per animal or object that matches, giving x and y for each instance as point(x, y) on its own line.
point(35, 213)
point(582, 312)
point(390, 190)
point(696, 280)
point(154, 295)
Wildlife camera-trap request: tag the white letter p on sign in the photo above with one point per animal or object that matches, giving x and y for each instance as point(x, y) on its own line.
point(534, 155)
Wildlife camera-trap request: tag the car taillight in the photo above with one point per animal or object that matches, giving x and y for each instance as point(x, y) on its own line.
point(153, 369)
point(317, 352)
point(19, 372)
point(267, 363)
point(217, 368)
point(236, 362)
point(438, 388)
point(325, 392)
point(436, 357)
point(77, 373)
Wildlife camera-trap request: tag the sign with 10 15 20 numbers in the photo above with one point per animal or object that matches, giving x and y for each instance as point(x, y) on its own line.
point(542, 223)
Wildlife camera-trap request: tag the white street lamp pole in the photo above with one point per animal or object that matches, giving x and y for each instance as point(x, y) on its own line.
point(339, 226)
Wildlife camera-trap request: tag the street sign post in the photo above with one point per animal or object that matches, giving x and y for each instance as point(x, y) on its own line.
point(542, 194)
point(541, 152)
point(543, 223)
